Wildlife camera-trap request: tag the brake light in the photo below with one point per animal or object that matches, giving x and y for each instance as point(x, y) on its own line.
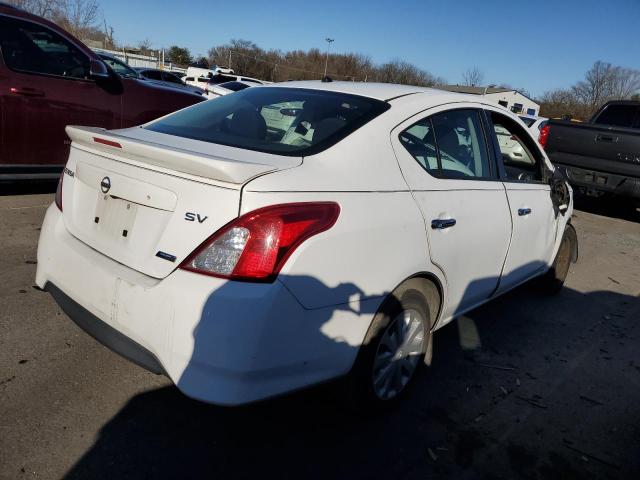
point(58, 197)
point(109, 143)
point(544, 135)
point(255, 246)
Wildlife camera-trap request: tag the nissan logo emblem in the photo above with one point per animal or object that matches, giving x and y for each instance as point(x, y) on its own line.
point(105, 184)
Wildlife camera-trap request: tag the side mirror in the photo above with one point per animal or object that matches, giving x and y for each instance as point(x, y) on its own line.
point(560, 195)
point(98, 70)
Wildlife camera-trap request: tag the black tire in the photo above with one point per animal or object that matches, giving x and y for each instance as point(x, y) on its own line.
point(417, 294)
point(553, 280)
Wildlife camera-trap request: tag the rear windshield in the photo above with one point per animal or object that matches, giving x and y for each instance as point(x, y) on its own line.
point(284, 121)
point(618, 115)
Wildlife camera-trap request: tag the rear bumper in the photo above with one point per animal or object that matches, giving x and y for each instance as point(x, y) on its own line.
point(104, 333)
point(222, 342)
point(596, 182)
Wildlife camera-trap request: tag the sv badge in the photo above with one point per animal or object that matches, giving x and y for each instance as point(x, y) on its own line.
point(192, 217)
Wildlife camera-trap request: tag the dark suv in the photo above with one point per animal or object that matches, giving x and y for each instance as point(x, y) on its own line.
point(49, 79)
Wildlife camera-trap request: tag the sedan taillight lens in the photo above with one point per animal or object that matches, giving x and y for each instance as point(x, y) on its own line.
point(58, 198)
point(255, 246)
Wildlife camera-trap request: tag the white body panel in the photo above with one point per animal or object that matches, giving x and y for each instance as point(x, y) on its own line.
point(231, 342)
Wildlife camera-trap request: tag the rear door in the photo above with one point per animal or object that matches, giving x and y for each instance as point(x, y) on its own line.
point(449, 167)
point(535, 221)
point(44, 86)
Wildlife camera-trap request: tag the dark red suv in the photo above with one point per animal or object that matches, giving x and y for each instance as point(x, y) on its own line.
point(49, 79)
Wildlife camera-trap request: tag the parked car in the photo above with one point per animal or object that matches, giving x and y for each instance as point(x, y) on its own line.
point(539, 127)
point(207, 72)
point(218, 257)
point(215, 91)
point(49, 79)
point(601, 157)
point(198, 82)
point(168, 79)
point(205, 81)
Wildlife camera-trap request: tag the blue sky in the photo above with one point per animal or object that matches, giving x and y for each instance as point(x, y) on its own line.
point(534, 44)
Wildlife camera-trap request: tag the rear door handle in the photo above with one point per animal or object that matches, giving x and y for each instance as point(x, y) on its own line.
point(441, 224)
point(524, 211)
point(27, 92)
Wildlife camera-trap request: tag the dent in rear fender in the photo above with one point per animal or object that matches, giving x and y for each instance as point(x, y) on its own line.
point(378, 241)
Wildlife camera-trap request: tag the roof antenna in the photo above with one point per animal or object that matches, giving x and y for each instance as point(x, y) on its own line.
point(326, 79)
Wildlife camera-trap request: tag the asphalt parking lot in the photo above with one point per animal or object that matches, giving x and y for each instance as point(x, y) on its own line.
point(526, 386)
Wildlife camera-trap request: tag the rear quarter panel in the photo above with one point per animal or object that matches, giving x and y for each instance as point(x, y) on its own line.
point(379, 239)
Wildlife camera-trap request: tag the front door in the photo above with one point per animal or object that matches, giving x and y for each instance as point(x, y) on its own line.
point(449, 167)
point(44, 86)
point(535, 221)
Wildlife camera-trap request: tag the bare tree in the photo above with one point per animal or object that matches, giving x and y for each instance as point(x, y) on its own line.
point(43, 8)
point(625, 83)
point(145, 46)
point(596, 86)
point(472, 77)
point(81, 15)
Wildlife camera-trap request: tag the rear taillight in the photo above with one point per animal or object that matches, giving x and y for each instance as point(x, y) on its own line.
point(255, 246)
point(58, 198)
point(544, 135)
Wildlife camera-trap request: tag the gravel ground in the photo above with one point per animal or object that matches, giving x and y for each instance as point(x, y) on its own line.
point(526, 386)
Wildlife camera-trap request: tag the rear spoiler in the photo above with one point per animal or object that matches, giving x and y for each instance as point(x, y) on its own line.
point(176, 159)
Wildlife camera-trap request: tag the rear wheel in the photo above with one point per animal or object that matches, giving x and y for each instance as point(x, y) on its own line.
point(395, 347)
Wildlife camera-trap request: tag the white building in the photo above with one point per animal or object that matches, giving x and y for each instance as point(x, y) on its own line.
point(508, 98)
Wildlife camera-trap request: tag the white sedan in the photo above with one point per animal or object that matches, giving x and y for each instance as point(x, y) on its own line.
point(538, 126)
point(245, 257)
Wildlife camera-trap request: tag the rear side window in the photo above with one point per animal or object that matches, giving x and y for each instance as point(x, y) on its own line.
point(284, 121)
point(450, 145)
point(618, 115)
point(31, 48)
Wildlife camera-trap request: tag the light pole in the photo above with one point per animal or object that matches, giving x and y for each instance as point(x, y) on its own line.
point(326, 60)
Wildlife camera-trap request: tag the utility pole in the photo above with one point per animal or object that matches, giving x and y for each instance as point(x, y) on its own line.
point(326, 61)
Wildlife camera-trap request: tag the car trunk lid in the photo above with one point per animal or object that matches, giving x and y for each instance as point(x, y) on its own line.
point(147, 199)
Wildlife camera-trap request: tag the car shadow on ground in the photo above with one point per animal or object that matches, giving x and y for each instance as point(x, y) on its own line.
point(620, 208)
point(503, 398)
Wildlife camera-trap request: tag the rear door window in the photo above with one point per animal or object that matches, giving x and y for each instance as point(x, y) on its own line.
point(450, 145)
point(31, 48)
point(285, 121)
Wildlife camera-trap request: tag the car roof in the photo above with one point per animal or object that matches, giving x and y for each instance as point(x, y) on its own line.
point(379, 91)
